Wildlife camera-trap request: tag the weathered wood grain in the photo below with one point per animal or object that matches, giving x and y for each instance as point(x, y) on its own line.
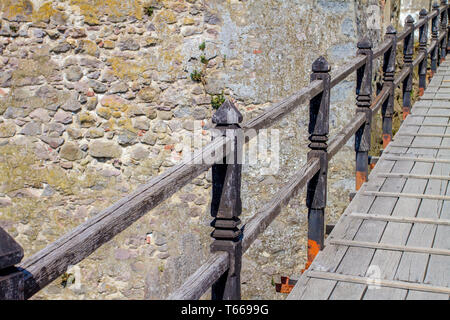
point(49, 263)
point(202, 279)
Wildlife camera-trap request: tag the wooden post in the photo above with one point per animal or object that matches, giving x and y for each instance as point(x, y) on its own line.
point(444, 22)
point(226, 205)
point(388, 81)
point(423, 40)
point(363, 103)
point(316, 197)
point(11, 279)
point(435, 37)
point(408, 51)
point(448, 30)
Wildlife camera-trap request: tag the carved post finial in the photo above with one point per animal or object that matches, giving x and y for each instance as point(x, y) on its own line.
point(363, 103)
point(423, 42)
point(226, 205)
point(387, 110)
point(316, 197)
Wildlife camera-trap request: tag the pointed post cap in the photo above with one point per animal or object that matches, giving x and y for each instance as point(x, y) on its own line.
point(364, 43)
point(391, 30)
point(227, 114)
point(409, 19)
point(11, 252)
point(321, 65)
point(423, 12)
point(443, 1)
point(436, 6)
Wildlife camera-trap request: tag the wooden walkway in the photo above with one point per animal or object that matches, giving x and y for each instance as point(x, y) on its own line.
point(393, 241)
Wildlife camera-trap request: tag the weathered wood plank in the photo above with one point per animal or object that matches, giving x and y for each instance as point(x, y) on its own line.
point(202, 280)
point(49, 263)
point(400, 219)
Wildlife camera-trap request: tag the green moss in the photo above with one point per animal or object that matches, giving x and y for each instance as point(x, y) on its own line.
point(196, 76)
point(217, 100)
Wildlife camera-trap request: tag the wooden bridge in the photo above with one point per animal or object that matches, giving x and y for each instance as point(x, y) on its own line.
point(392, 242)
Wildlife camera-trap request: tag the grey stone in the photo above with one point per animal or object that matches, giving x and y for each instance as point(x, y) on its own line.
point(139, 153)
point(97, 86)
point(53, 142)
point(31, 129)
point(63, 117)
point(122, 254)
point(74, 73)
point(72, 105)
point(61, 48)
point(126, 138)
point(104, 149)
point(129, 44)
point(70, 151)
point(149, 138)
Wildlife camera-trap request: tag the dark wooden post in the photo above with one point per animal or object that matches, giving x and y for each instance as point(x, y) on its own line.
point(316, 197)
point(388, 81)
point(363, 103)
point(435, 37)
point(11, 279)
point(444, 21)
point(408, 51)
point(423, 40)
point(448, 30)
point(226, 205)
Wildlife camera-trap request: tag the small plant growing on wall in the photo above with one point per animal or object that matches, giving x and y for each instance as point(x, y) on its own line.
point(217, 100)
point(149, 11)
point(197, 76)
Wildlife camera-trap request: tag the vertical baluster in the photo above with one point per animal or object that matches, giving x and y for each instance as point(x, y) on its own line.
point(444, 18)
point(435, 37)
point(423, 40)
point(448, 30)
point(388, 81)
point(316, 197)
point(11, 279)
point(226, 205)
point(363, 103)
point(408, 51)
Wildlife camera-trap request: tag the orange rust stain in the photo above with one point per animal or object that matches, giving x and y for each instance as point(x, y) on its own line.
point(284, 286)
point(405, 113)
point(386, 140)
point(257, 51)
point(360, 179)
point(169, 147)
point(421, 91)
point(313, 250)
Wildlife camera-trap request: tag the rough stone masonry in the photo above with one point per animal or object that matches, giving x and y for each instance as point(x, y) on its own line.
point(96, 97)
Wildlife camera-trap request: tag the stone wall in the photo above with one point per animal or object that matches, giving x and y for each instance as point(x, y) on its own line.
point(413, 7)
point(96, 97)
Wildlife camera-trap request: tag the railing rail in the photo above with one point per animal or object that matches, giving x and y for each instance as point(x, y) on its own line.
point(222, 269)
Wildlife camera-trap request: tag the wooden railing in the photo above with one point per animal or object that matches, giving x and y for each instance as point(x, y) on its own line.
point(221, 271)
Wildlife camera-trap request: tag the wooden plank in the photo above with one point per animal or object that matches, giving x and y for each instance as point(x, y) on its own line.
point(345, 134)
point(414, 176)
point(346, 70)
point(366, 216)
point(261, 220)
point(407, 195)
point(420, 295)
point(415, 159)
point(375, 232)
point(397, 145)
point(202, 280)
point(386, 246)
point(413, 266)
point(49, 263)
point(330, 258)
point(436, 135)
point(380, 282)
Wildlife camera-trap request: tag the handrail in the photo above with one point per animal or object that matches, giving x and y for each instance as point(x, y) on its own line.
point(49, 263)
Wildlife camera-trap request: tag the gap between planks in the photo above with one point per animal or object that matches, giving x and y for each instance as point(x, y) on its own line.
point(386, 246)
point(416, 159)
point(379, 282)
point(379, 217)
